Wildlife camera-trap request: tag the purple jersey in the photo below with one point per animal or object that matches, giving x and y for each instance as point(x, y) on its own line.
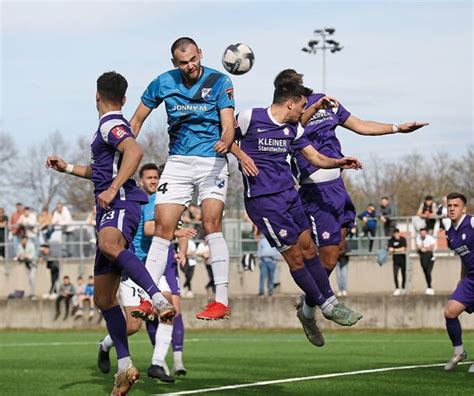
point(320, 130)
point(268, 143)
point(461, 241)
point(106, 159)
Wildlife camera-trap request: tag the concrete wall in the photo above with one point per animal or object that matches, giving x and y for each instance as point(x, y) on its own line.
point(380, 312)
point(365, 276)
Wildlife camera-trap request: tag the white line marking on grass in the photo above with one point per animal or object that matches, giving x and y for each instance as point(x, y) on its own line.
point(73, 343)
point(296, 379)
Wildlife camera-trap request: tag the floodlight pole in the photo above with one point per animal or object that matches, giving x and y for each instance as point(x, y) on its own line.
point(333, 46)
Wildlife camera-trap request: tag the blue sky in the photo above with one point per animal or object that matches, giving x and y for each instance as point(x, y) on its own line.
point(402, 61)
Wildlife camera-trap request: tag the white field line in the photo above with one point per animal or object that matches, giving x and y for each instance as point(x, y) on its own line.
point(296, 379)
point(243, 339)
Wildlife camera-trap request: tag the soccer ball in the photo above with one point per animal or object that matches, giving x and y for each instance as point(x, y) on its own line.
point(238, 58)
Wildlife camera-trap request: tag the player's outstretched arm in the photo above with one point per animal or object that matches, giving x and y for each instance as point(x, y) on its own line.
point(325, 102)
point(59, 165)
point(373, 128)
point(321, 161)
point(139, 117)
point(228, 131)
point(132, 155)
point(247, 164)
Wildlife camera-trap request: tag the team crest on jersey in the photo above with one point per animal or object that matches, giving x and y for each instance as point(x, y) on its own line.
point(220, 182)
point(463, 237)
point(326, 235)
point(286, 131)
point(230, 93)
point(119, 132)
point(283, 233)
point(205, 92)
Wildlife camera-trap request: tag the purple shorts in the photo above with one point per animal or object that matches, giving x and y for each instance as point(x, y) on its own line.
point(126, 220)
point(329, 208)
point(280, 217)
point(464, 293)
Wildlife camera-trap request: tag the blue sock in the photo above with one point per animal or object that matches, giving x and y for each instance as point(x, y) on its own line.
point(454, 331)
point(177, 338)
point(305, 281)
point(117, 327)
point(320, 275)
point(137, 272)
point(151, 327)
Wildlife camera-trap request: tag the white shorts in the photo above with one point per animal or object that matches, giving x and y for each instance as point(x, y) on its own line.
point(130, 292)
point(182, 174)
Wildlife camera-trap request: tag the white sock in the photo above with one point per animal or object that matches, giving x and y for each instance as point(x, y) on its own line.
point(458, 350)
point(157, 257)
point(124, 363)
point(162, 343)
point(327, 307)
point(107, 343)
point(178, 358)
point(333, 300)
point(308, 311)
point(219, 256)
point(158, 300)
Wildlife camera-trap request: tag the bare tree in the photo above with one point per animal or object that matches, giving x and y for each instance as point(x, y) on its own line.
point(78, 192)
point(45, 185)
point(8, 157)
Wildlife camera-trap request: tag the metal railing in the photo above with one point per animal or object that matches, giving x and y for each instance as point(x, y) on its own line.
point(78, 243)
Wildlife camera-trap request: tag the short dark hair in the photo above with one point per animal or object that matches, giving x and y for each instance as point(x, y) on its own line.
point(429, 198)
point(66, 277)
point(182, 42)
point(288, 76)
point(395, 230)
point(112, 87)
point(289, 91)
point(148, 166)
point(457, 195)
point(385, 197)
point(424, 229)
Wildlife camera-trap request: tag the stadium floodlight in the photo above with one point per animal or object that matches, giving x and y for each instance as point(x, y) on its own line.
point(327, 44)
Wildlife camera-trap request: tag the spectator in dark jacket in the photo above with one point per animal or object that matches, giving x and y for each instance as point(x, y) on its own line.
point(369, 218)
point(385, 215)
point(66, 292)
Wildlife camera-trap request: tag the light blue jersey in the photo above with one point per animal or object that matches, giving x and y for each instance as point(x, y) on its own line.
point(193, 113)
point(141, 242)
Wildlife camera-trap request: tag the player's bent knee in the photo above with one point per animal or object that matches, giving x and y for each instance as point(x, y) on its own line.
point(110, 249)
point(104, 302)
point(211, 225)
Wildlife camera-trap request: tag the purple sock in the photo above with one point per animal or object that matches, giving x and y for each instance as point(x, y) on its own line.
point(117, 327)
point(177, 338)
point(137, 272)
point(320, 275)
point(454, 331)
point(306, 282)
point(151, 327)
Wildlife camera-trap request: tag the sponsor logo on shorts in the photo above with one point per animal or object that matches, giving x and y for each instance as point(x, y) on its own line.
point(326, 235)
point(205, 92)
point(220, 182)
point(283, 233)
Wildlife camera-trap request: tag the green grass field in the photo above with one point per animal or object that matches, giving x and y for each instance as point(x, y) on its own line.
point(64, 363)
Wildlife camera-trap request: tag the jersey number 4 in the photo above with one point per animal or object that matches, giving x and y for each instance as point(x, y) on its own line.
point(163, 188)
